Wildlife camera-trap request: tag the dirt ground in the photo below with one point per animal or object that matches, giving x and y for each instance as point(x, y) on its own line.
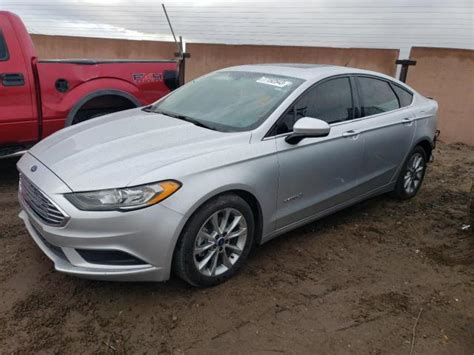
point(354, 282)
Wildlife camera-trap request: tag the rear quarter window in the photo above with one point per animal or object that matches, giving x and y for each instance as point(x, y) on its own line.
point(3, 48)
point(404, 96)
point(377, 96)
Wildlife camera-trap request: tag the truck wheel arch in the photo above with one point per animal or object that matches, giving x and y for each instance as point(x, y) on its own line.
point(122, 95)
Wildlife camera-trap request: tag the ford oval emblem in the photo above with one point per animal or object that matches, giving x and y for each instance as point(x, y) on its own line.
point(34, 168)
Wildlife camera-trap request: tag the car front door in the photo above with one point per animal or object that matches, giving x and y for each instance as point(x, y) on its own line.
point(388, 129)
point(318, 174)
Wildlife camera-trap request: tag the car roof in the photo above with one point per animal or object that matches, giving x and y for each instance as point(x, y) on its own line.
point(303, 71)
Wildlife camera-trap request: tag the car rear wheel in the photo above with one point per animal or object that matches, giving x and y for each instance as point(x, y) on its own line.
point(215, 242)
point(412, 174)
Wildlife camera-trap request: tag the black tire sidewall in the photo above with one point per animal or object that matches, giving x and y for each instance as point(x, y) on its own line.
point(400, 191)
point(184, 263)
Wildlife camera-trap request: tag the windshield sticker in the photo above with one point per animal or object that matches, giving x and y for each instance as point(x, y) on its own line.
point(281, 83)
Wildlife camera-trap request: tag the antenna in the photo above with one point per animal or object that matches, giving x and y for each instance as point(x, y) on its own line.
point(181, 55)
point(178, 44)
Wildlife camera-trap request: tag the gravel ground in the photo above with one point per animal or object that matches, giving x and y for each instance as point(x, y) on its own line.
point(354, 282)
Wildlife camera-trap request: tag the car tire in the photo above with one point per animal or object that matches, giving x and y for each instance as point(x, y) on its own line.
point(411, 175)
point(215, 242)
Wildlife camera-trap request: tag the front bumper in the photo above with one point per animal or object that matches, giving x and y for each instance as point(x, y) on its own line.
point(148, 235)
point(61, 258)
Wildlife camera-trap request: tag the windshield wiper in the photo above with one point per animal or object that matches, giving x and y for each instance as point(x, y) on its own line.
point(179, 117)
point(193, 121)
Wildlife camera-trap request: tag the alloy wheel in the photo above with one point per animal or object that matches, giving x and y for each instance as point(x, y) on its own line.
point(414, 173)
point(220, 242)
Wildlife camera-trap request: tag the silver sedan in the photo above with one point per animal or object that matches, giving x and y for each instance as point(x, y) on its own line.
point(228, 161)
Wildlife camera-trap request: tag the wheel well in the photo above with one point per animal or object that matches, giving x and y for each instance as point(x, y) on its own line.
point(253, 203)
point(102, 104)
point(426, 145)
point(247, 197)
point(257, 211)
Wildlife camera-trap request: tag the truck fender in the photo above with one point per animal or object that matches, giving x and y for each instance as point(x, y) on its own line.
point(92, 95)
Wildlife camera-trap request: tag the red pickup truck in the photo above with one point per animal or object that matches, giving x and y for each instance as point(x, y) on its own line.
point(39, 97)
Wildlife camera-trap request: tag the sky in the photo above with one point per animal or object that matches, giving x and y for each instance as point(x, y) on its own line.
point(331, 23)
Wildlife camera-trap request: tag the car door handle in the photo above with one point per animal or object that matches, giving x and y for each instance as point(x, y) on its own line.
point(407, 121)
point(351, 133)
point(12, 79)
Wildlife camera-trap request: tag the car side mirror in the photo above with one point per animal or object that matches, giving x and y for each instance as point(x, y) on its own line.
point(308, 127)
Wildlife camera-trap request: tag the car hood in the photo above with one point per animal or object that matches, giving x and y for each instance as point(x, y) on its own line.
point(114, 150)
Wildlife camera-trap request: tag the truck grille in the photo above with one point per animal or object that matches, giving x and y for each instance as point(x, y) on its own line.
point(40, 204)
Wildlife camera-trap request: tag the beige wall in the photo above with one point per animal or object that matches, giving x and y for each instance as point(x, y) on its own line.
point(60, 47)
point(447, 75)
point(209, 57)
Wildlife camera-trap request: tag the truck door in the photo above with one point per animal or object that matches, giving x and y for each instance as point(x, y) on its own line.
point(18, 121)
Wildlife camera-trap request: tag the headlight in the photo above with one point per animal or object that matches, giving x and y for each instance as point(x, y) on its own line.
point(128, 198)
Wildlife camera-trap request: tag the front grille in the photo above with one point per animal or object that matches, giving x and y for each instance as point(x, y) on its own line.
point(40, 204)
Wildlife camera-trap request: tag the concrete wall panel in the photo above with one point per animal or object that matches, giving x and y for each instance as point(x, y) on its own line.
point(447, 75)
point(60, 47)
point(208, 57)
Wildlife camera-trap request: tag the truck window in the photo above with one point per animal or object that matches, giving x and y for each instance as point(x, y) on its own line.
point(3, 48)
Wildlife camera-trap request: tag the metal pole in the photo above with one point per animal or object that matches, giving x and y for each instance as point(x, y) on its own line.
point(182, 63)
point(180, 47)
point(405, 63)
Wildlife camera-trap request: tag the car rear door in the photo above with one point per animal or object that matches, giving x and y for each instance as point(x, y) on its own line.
point(388, 127)
point(318, 173)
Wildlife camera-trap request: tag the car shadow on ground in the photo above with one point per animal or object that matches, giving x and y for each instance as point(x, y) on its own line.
point(8, 172)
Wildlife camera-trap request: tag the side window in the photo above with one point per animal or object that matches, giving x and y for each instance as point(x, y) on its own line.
point(377, 96)
point(3, 48)
point(333, 101)
point(330, 101)
point(404, 96)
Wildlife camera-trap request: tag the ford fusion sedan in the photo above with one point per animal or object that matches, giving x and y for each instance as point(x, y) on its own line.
point(230, 160)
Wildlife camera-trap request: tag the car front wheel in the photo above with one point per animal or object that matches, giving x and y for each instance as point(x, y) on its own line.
point(215, 242)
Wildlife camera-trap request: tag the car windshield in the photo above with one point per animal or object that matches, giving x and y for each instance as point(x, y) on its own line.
point(228, 101)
